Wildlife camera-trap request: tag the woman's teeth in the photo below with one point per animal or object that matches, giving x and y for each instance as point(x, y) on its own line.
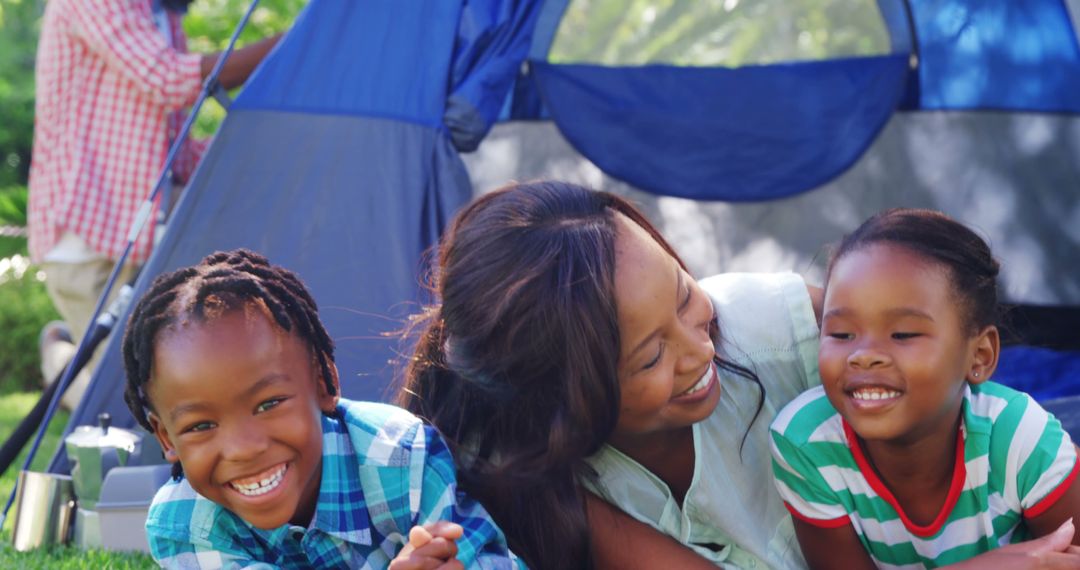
point(260, 486)
point(874, 394)
point(701, 383)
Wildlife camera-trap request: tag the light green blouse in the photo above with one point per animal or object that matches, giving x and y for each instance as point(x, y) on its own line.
point(766, 324)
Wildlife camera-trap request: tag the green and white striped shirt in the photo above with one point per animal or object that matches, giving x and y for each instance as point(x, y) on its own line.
point(1015, 461)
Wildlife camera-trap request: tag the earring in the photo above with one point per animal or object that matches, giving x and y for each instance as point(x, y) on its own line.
point(975, 374)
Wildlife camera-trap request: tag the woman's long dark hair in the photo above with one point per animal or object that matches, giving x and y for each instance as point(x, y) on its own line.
point(517, 368)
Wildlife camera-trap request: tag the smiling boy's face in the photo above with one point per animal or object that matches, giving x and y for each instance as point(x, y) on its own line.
point(238, 401)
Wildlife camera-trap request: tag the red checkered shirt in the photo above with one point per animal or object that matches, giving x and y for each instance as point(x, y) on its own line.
point(108, 88)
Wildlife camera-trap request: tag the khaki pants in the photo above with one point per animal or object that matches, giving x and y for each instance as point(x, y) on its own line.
point(74, 289)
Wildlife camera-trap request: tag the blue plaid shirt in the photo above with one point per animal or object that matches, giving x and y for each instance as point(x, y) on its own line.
point(383, 472)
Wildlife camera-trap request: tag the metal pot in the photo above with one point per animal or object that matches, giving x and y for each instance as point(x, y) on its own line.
point(92, 451)
point(43, 510)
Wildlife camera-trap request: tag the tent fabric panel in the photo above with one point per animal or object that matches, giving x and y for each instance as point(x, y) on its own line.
point(1042, 373)
point(442, 64)
point(494, 37)
point(997, 55)
point(724, 134)
point(379, 58)
point(547, 25)
point(1007, 175)
point(897, 18)
point(350, 204)
point(985, 169)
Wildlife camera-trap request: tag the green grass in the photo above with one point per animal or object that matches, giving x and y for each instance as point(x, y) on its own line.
point(71, 558)
point(13, 408)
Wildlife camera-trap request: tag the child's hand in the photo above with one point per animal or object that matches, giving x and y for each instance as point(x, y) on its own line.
point(1053, 551)
point(430, 547)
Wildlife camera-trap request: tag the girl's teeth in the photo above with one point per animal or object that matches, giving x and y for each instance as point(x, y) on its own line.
point(875, 394)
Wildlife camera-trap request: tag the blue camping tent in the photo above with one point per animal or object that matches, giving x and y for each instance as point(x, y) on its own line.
point(340, 159)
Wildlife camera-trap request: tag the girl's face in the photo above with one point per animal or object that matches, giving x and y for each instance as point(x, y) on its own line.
point(895, 350)
point(667, 377)
point(238, 401)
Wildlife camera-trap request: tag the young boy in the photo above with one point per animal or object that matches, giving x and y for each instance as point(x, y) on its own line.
point(230, 368)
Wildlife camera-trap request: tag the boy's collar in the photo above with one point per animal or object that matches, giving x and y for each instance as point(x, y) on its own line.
point(342, 509)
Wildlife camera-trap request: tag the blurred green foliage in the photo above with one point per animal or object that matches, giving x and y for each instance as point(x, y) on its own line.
point(24, 308)
point(12, 221)
point(18, 40)
point(210, 23)
point(727, 33)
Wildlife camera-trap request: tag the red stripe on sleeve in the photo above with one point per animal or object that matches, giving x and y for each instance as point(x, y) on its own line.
point(821, 523)
point(1049, 500)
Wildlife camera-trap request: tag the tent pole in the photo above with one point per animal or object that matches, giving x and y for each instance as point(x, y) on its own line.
point(914, 87)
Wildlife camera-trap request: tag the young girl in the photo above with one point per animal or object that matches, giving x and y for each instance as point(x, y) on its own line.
point(228, 365)
point(907, 456)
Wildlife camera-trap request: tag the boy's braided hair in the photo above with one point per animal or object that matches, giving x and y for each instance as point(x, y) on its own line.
point(221, 282)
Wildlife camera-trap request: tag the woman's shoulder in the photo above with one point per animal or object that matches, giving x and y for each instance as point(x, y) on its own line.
point(728, 287)
point(770, 308)
point(767, 324)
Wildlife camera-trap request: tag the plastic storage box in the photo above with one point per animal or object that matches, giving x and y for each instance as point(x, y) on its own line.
point(125, 499)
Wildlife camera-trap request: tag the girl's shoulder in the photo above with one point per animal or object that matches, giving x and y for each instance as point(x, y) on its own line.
point(988, 404)
point(1016, 439)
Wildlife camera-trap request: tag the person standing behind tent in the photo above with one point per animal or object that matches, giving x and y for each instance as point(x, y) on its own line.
point(113, 78)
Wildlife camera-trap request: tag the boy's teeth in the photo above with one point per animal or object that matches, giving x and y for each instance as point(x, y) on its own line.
point(874, 394)
point(260, 486)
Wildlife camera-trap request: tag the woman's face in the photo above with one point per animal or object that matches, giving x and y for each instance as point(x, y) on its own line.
point(666, 373)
